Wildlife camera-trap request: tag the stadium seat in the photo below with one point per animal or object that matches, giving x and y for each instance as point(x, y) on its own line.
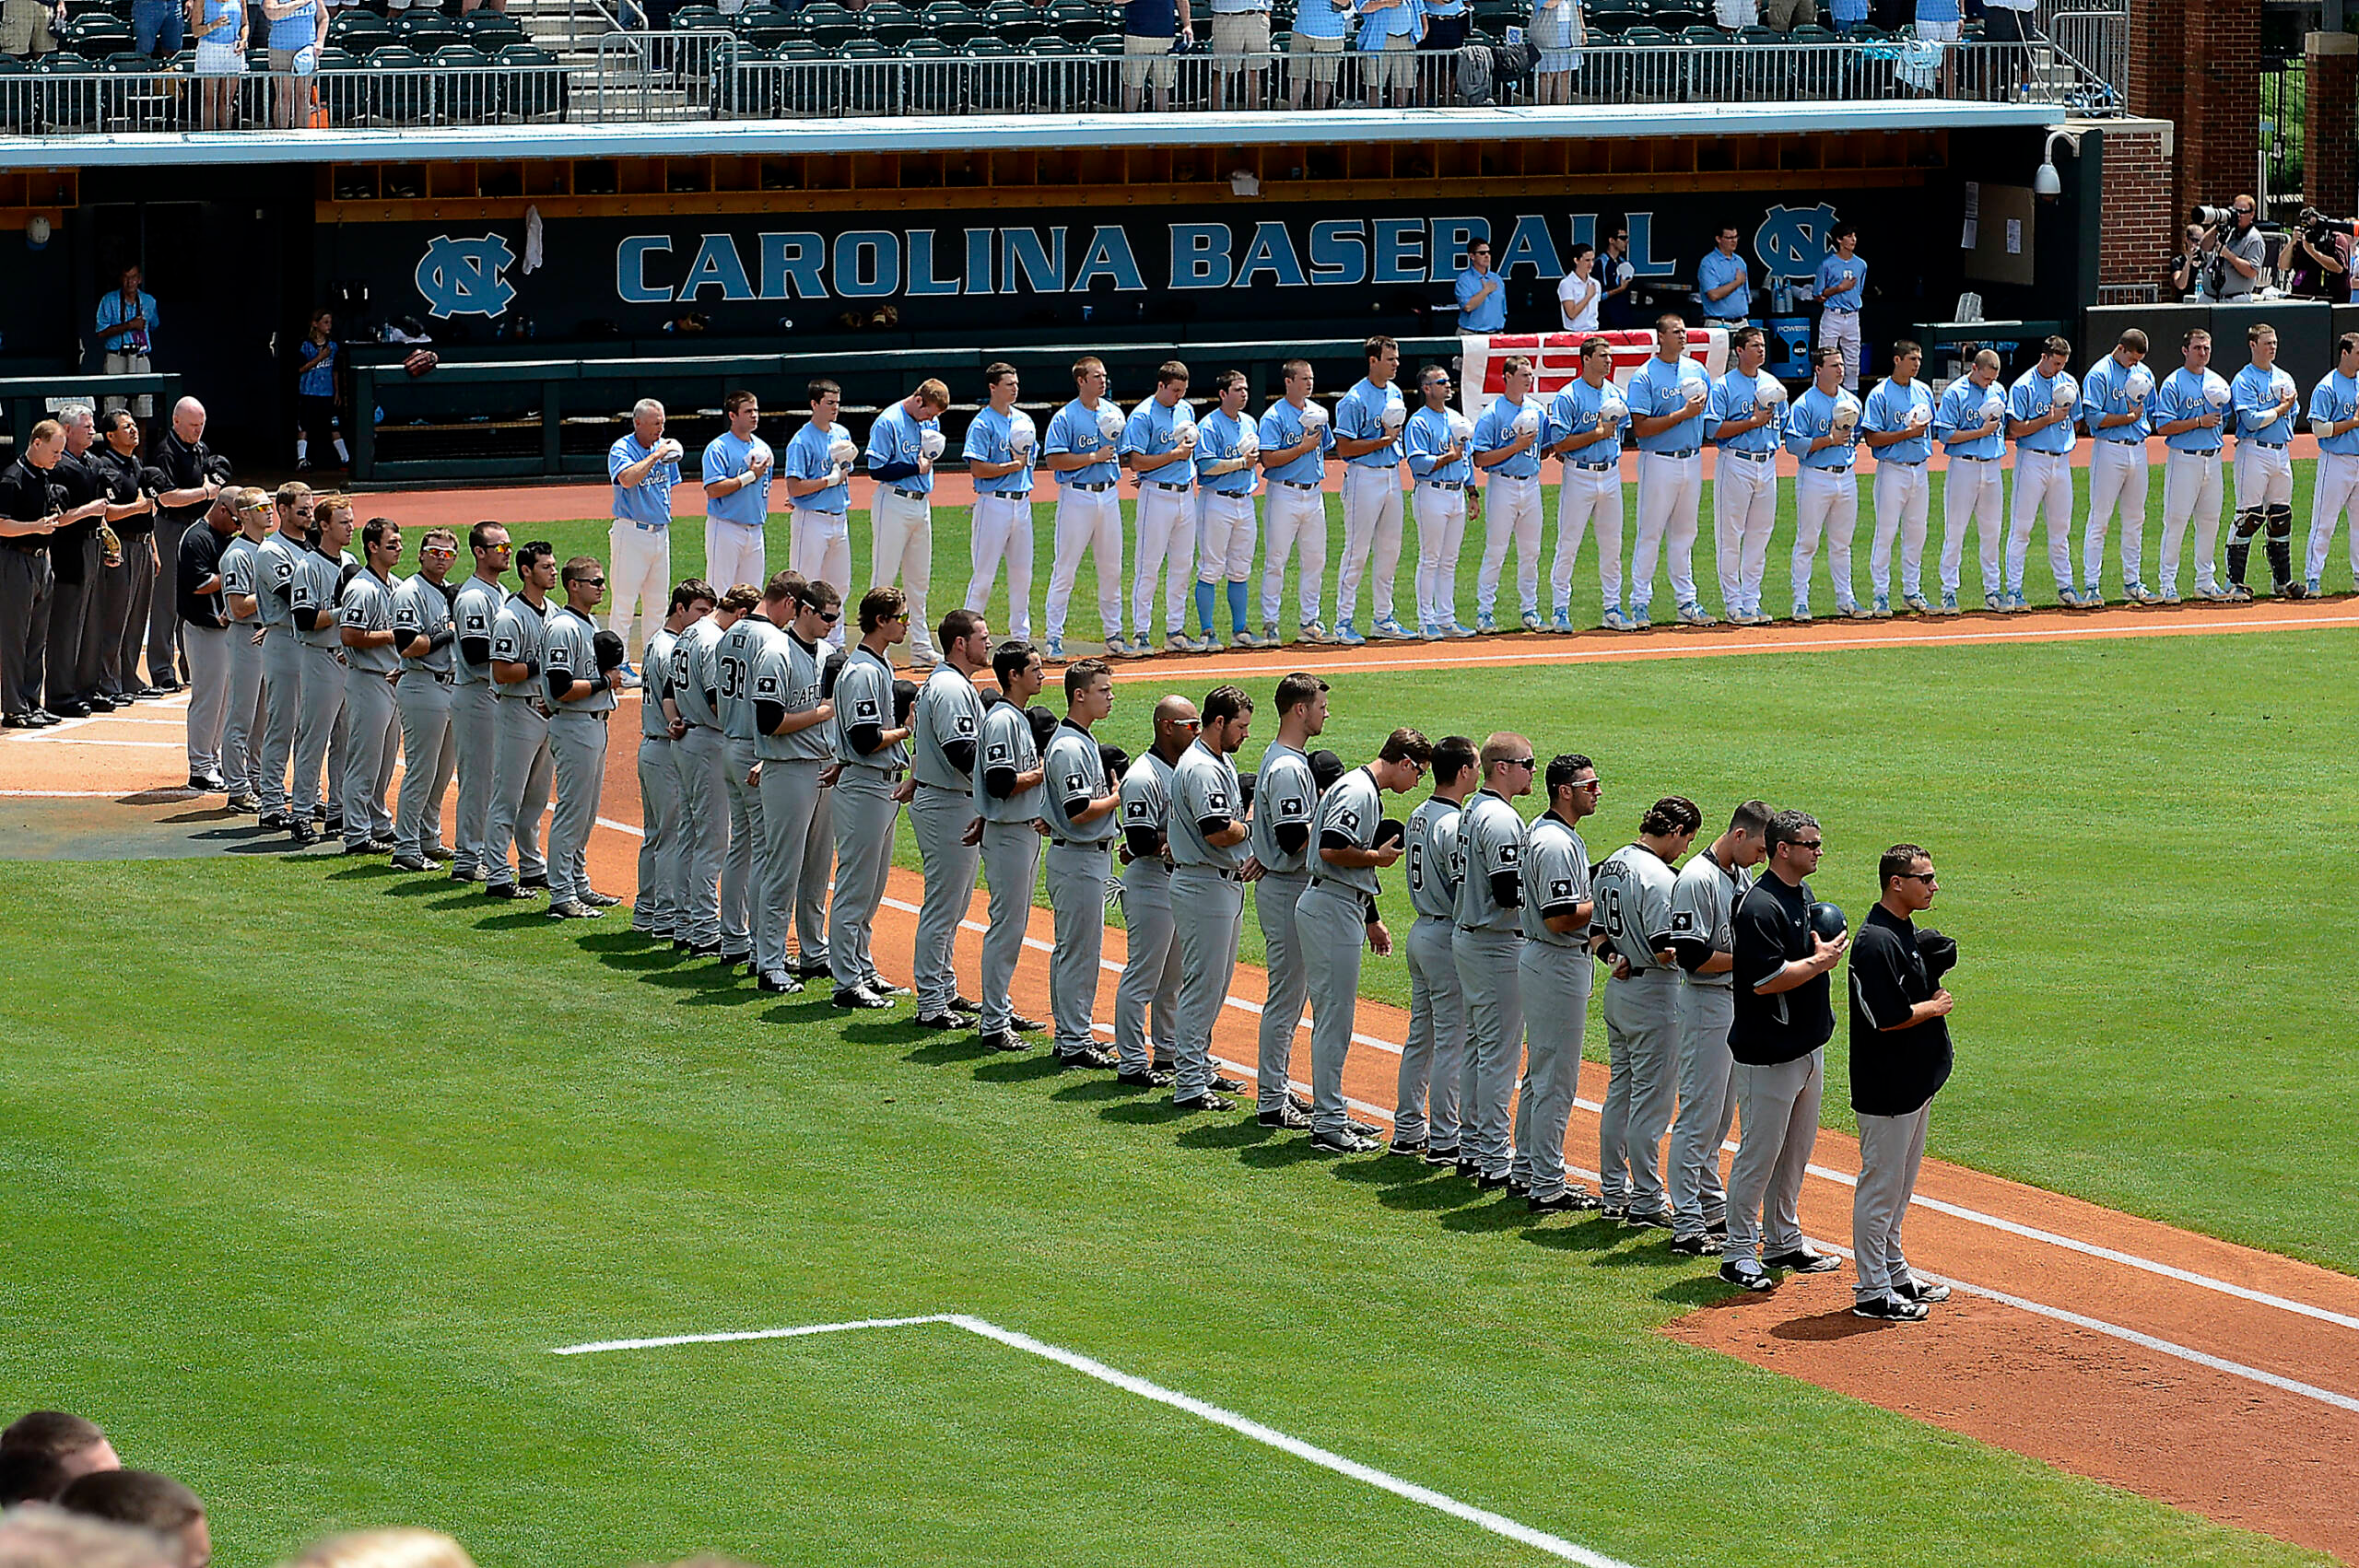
point(871, 82)
point(69, 91)
point(531, 88)
point(934, 79)
point(359, 30)
point(1000, 79)
point(1076, 22)
point(767, 26)
point(427, 33)
point(889, 22)
point(18, 109)
point(829, 25)
point(955, 22)
point(802, 91)
point(95, 36)
point(1810, 33)
point(344, 86)
point(491, 30)
point(401, 89)
point(1615, 16)
point(465, 94)
point(138, 103)
point(1676, 16)
point(700, 19)
point(1495, 17)
point(1011, 21)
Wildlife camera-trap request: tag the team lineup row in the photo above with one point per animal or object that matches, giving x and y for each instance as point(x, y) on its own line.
point(1209, 487)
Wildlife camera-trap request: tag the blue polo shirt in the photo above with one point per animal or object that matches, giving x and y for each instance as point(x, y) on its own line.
point(1321, 19)
point(897, 437)
point(1714, 271)
point(1423, 438)
point(1573, 412)
point(727, 457)
point(1359, 417)
point(1812, 416)
point(806, 458)
point(1217, 437)
point(1153, 430)
point(1888, 409)
point(1961, 409)
point(1834, 293)
point(2336, 397)
point(1073, 429)
point(1496, 429)
point(2254, 392)
point(1281, 426)
point(989, 439)
point(1376, 26)
point(1659, 389)
point(649, 501)
point(1737, 396)
point(2032, 397)
point(1492, 313)
point(2106, 390)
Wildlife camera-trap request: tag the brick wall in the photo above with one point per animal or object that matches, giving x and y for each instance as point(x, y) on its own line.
point(2198, 66)
point(2331, 69)
point(2141, 216)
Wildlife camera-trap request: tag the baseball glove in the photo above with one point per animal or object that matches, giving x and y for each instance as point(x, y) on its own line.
point(608, 645)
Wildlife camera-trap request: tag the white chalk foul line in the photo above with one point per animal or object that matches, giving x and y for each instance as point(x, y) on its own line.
point(1244, 1426)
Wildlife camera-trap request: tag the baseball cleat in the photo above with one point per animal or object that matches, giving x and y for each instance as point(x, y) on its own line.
point(1949, 603)
point(1641, 617)
point(1286, 1118)
point(1001, 1040)
point(1929, 1292)
point(1995, 601)
point(2071, 598)
point(1147, 1080)
point(1245, 639)
point(597, 900)
point(1532, 622)
point(1746, 1275)
point(1348, 635)
point(1485, 623)
point(2212, 591)
point(1916, 603)
point(1090, 1057)
point(1850, 610)
point(1207, 641)
point(1056, 654)
point(1801, 614)
point(1313, 632)
point(780, 984)
point(1803, 1260)
point(1270, 637)
point(2138, 593)
point(1881, 610)
point(1647, 1219)
point(1458, 629)
point(1178, 642)
point(1889, 1309)
point(1429, 632)
point(1117, 647)
point(2239, 594)
point(2017, 605)
point(1615, 621)
point(2167, 596)
point(1204, 1101)
point(1696, 1247)
point(1562, 621)
point(572, 909)
point(1224, 1084)
point(1392, 630)
point(1694, 615)
point(858, 996)
point(2313, 589)
point(409, 863)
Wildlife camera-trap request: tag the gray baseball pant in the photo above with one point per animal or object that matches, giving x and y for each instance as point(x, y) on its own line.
point(1698, 1199)
point(1433, 1055)
point(520, 792)
point(578, 765)
point(69, 621)
point(475, 747)
point(1207, 913)
point(1891, 1150)
point(1077, 899)
point(741, 873)
point(1553, 984)
point(1487, 980)
point(282, 700)
point(797, 854)
point(163, 612)
point(1011, 864)
point(24, 626)
point(940, 819)
point(702, 757)
point(208, 696)
point(339, 747)
point(656, 910)
point(122, 614)
point(1330, 933)
point(1777, 1110)
point(241, 731)
point(1276, 896)
point(1641, 1033)
point(818, 875)
point(316, 782)
point(429, 759)
point(1151, 970)
point(373, 729)
point(865, 811)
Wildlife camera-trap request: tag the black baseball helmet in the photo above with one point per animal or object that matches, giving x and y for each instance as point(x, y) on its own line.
point(1826, 920)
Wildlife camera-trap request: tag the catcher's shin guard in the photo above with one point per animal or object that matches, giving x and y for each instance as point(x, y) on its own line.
point(2281, 551)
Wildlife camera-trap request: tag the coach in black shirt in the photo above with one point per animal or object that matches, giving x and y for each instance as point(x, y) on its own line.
point(125, 591)
point(28, 512)
point(73, 567)
point(1779, 1038)
point(193, 477)
point(1900, 1058)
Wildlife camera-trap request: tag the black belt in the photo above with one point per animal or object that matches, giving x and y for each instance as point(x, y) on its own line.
point(1297, 484)
point(1816, 468)
point(34, 546)
point(1080, 844)
point(1160, 484)
point(1485, 930)
point(1689, 453)
point(144, 533)
point(1961, 457)
point(2175, 451)
point(1221, 871)
point(913, 495)
point(1092, 488)
point(1593, 467)
point(1899, 462)
point(2273, 446)
point(1749, 457)
point(1443, 484)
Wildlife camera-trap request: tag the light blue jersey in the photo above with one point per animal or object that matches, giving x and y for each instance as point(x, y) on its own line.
point(1888, 409)
point(1073, 429)
point(898, 436)
point(2256, 393)
point(1220, 437)
point(649, 501)
point(1963, 407)
point(992, 439)
point(2033, 397)
point(1736, 397)
point(2336, 397)
point(1659, 389)
point(1842, 285)
point(1282, 428)
point(1812, 416)
point(808, 457)
point(2107, 390)
point(1153, 430)
point(1359, 415)
point(2187, 396)
point(1496, 428)
point(1425, 438)
point(1574, 413)
point(726, 458)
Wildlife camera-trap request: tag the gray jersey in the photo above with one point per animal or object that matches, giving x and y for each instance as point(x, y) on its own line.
point(1007, 744)
point(1204, 786)
point(1284, 794)
point(1349, 812)
point(734, 657)
point(276, 560)
point(656, 668)
point(367, 606)
point(240, 570)
point(1702, 899)
point(1077, 776)
point(787, 674)
point(516, 638)
point(1634, 904)
point(1429, 856)
point(692, 673)
point(315, 588)
point(1490, 841)
point(476, 611)
point(864, 696)
point(569, 652)
point(421, 609)
point(1146, 809)
point(1556, 882)
point(949, 713)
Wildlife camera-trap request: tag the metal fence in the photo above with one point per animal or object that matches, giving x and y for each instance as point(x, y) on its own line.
point(2095, 34)
point(666, 77)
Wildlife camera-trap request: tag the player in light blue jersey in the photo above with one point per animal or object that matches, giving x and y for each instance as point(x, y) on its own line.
point(1971, 423)
point(2265, 399)
point(1742, 420)
point(1081, 453)
point(1508, 438)
point(1226, 455)
point(1436, 439)
point(1897, 426)
point(2189, 410)
point(1367, 438)
point(2113, 396)
point(818, 487)
point(1584, 424)
point(1295, 437)
point(2334, 496)
point(1001, 449)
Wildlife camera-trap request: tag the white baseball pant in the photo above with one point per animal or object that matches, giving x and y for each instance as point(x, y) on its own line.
point(1225, 534)
point(1296, 519)
point(2191, 492)
point(1000, 532)
point(1089, 522)
point(1826, 501)
point(1744, 510)
point(1973, 490)
point(1167, 544)
point(2043, 484)
point(818, 546)
point(1511, 511)
point(2334, 496)
point(1840, 329)
point(2264, 476)
point(1670, 492)
point(901, 528)
point(733, 554)
point(2117, 482)
point(1441, 531)
point(1371, 540)
point(1903, 491)
point(1588, 499)
point(639, 578)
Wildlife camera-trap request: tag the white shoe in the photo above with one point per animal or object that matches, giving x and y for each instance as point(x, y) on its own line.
point(1178, 642)
point(1313, 632)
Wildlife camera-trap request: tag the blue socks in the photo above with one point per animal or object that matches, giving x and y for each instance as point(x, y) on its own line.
point(1204, 605)
point(1237, 609)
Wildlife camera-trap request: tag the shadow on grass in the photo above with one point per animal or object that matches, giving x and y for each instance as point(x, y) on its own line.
point(365, 869)
point(1588, 1233)
point(943, 1047)
point(1710, 1290)
point(1497, 1211)
point(418, 884)
point(1391, 1170)
point(1028, 1067)
point(1244, 1135)
point(1099, 1091)
point(1157, 1112)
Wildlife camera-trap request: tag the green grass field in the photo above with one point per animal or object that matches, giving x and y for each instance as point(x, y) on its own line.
point(304, 1223)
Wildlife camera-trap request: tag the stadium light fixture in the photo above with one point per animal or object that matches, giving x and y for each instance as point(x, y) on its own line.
point(2048, 182)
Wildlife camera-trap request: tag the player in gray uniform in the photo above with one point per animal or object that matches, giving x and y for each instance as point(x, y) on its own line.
point(520, 777)
point(1208, 827)
point(347, 565)
point(1631, 931)
point(1151, 965)
point(583, 668)
point(873, 758)
point(1078, 802)
point(424, 631)
point(241, 576)
point(702, 756)
point(277, 560)
point(1008, 787)
point(1336, 918)
point(1487, 948)
point(745, 923)
point(475, 702)
point(1701, 903)
point(1286, 802)
point(659, 911)
point(1553, 980)
point(311, 604)
point(365, 621)
point(1425, 1119)
point(797, 743)
point(947, 725)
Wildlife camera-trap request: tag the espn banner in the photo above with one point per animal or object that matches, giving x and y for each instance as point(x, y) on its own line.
point(1556, 357)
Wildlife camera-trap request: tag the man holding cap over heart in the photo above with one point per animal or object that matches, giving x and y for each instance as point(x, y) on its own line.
point(902, 446)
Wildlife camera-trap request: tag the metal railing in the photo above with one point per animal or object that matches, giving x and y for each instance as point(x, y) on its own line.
point(2096, 33)
point(670, 77)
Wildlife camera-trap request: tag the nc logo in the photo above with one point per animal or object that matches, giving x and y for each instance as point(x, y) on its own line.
point(461, 277)
point(1791, 239)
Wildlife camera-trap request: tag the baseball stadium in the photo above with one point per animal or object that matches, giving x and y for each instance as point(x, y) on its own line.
point(1196, 781)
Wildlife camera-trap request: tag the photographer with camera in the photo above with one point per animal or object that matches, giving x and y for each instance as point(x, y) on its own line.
point(2315, 260)
point(2243, 248)
point(2192, 269)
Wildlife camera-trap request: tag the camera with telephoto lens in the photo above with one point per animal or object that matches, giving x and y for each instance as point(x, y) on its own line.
point(2211, 217)
point(2318, 230)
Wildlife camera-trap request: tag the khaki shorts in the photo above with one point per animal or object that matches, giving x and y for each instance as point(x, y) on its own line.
point(24, 27)
point(1240, 32)
point(1139, 61)
point(1326, 56)
point(1397, 66)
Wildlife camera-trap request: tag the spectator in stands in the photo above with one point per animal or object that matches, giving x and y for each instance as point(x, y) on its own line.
point(298, 28)
point(1846, 17)
point(221, 54)
point(127, 331)
point(1388, 29)
point(1319, 30)
point(1151, 29)
point(2244, 250)
point(75, 1443)
point(501, 6)
point(1943, 21)
point(145, 1501)
point(317, 359)
point(385, 1549)
point(1240, 28)
point(1558, 32)
point(1445, 23)
point(157, 21)
point(43, 1536)
point(29, 513)
point(1723, 282)
point(1619, 277)
point(1785, 16)
point(2312, 267)
point(2009, 21)
point(29, 26)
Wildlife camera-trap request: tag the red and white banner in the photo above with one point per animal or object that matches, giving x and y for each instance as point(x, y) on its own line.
point(1557, 358)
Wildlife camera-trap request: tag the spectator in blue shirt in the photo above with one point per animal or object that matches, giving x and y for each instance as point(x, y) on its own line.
point(126, 335)
point(1389, 29)
point(1151, 29)
point(1722, 282)
point(317, 360)
point(1482, 293)
point(298, 28)
point(1319, 33)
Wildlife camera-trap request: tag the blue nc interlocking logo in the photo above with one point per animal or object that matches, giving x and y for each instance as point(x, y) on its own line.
point(461, 277)
point(1790, 240)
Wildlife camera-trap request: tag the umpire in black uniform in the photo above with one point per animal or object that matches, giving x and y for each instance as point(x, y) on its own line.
point(29, 505)
point(1900, 1058)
